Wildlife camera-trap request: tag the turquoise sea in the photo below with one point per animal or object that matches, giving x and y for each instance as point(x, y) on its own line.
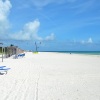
point(82, 52)
point(79, 52)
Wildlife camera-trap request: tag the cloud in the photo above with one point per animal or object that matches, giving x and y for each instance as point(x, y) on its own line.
point(90, 40)
point(40, 4)
point(5, 7)
point(83, 6)
point(30, 32)
point(50, 37)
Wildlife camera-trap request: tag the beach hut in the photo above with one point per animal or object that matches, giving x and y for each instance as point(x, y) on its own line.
point(11, 50)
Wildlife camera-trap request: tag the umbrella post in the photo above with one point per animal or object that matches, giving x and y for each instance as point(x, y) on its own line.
point(2, 51)
point(2, 54)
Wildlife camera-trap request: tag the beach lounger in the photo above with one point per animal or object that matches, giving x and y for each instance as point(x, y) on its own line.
point(2, 66)
point(21, 55)
point(3, 70)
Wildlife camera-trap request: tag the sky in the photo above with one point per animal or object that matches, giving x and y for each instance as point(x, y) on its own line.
point(63, 25)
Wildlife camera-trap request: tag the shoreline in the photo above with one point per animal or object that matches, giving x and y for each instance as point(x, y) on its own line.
point(76, 52)
point(68, 53)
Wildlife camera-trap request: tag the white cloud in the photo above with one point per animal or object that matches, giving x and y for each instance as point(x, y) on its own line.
point(90, 40)
point(50, 37)
point(5, 7)
point(29, 31)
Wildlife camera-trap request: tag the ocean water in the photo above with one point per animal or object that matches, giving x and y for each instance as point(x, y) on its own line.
point(78, 52)
point(81, 52)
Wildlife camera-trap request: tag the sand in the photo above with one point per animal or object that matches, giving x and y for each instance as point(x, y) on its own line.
point(51, 76)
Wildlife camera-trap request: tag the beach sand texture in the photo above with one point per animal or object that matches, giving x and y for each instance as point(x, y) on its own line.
point(51, 76)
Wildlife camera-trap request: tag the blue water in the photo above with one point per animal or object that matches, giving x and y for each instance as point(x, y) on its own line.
point(79, 52)
point(82, 52)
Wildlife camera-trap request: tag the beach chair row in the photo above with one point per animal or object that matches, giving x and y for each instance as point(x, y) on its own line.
point(3, 70)
point(19, 55)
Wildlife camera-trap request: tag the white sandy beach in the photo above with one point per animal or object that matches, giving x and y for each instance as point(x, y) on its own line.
point(51, 76)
